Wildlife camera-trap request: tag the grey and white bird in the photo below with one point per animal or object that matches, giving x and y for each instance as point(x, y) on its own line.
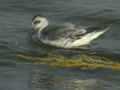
point(65, 36)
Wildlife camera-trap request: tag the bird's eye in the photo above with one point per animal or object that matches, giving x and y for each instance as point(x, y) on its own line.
point(36, 22)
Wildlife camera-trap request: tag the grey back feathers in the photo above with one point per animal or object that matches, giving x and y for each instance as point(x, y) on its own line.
point(58, 32)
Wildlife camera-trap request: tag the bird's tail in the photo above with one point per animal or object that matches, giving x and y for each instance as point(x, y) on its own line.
point(111, 22)
point(107, 24)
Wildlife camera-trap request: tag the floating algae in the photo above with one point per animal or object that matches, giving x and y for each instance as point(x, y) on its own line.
point(84, 62)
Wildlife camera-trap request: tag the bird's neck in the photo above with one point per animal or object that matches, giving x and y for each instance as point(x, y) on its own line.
point(41, 29)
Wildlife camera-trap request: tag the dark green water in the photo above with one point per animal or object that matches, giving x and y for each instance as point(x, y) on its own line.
point(15, 29)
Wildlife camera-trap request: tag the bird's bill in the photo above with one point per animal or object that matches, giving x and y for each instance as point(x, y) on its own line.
point(33, 30)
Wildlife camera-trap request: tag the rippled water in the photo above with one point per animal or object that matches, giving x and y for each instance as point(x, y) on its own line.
point(15, 30)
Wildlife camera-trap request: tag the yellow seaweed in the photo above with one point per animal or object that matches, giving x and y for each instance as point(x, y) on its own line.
point(84, 62)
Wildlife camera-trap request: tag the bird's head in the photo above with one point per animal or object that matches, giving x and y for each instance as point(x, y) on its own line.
point(39, 23)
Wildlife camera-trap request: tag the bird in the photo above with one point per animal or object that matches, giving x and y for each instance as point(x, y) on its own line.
point(65, 35)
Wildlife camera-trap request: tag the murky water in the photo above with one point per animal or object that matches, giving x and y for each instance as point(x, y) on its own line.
point(15, 30)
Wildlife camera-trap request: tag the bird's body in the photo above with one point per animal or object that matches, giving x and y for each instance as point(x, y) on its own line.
point(65, 36)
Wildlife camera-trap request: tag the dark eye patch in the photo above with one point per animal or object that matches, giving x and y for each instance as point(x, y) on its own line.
point(36, 22)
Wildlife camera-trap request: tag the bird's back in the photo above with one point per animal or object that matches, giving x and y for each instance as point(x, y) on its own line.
point(57, 32)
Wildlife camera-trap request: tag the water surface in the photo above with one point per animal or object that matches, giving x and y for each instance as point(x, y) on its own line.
point(15, 29)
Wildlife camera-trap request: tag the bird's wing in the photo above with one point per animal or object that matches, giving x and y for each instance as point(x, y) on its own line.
point(96, 28)
point(65, 31)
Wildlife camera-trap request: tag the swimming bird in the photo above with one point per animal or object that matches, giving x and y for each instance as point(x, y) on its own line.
point(65, 36)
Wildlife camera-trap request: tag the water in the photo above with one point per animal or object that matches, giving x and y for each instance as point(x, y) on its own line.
point(15, 29)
